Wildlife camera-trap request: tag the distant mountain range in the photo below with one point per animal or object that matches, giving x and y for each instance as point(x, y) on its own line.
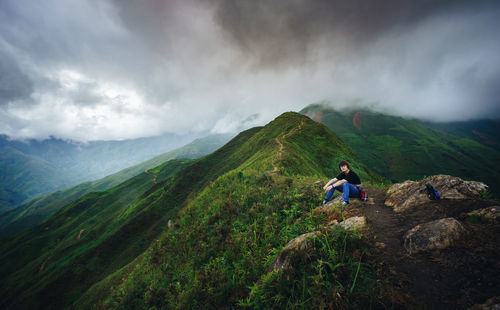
point(31, 168)
point(38, 209)
point(401, 148)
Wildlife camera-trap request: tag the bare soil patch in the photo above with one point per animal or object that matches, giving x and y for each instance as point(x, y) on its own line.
point(458, 277)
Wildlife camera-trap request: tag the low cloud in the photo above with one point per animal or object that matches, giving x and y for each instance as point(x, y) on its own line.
point(90, 69)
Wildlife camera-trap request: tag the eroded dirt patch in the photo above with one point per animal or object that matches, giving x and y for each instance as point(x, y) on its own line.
point(458, 277)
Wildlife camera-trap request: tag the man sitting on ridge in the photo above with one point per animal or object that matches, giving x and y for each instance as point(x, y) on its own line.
point(346, 182)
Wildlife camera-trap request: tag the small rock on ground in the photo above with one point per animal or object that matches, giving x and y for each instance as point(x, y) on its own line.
point(490, 214)
point(438, 234)
point(355, 222)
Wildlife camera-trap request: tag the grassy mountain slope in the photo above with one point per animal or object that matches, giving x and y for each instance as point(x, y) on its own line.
point(118, 224)
point(21, 175)
point(37, 210)
point(77, 239)
point(486, 132)
point(226, 236)
point(53, 267)
point(32, 167)
point(400, 148)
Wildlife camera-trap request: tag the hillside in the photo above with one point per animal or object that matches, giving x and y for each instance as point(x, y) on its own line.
point(243, 228)
point(400, 148)
point(21, 177)
point(38, 209)
point(31, 168)
point(102, 233)
point(486, 132)
point(256, 238)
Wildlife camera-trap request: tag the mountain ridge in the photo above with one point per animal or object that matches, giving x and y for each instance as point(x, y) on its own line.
point(37, 209)
point(204, 236)
point(403, 148)
point(36, 167)
point(129, 223)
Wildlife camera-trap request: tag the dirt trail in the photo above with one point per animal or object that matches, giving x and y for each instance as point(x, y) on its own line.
point(454, 278)
point(79, 234)
point(153, 175)
point(42, 267)
point(277, 157)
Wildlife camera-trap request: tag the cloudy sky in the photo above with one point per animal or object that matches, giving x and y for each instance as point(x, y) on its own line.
point(100, 69)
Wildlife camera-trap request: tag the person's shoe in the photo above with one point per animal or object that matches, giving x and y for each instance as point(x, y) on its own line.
point(325, 201)
point(344, 203)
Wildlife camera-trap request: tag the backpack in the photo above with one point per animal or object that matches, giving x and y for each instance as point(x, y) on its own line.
point(432, 192)
point(362, 194)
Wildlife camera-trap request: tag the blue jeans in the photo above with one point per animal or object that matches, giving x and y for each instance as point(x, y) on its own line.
point(348, 189)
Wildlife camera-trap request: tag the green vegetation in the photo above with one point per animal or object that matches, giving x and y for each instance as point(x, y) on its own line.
point(400, 148)
point(32, 168)
point(37, 210)
point(90, 236)
point(230, 214)
point(24, 176)
point(218, 254)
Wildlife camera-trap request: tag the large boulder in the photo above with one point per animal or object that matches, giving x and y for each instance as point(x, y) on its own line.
point(438, 234)
point(408, 194)
point(296, 246)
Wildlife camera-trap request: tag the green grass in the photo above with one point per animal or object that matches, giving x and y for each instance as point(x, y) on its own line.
point(218, 254)
point(231, 217)
point(108, 219)
point(38, 209)
point(401, 148)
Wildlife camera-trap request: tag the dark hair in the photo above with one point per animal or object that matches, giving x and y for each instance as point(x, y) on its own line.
point(344, 163)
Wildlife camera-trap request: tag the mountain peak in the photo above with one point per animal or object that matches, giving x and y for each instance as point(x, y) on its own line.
point(294, 144)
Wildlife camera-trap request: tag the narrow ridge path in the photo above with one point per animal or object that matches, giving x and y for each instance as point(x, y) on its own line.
point(386, 227)
point(153, 175)
point(277, 157)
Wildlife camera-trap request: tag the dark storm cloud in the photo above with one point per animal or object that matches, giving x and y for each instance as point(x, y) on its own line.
point(285, 32)
point(429, 59)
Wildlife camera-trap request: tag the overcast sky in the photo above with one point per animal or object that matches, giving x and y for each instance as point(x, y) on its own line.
point(99, 69)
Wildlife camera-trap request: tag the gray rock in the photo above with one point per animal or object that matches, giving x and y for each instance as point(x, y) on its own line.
point(403, 196)
point(490, 214)
point(438, 234)
point(398, 186)
point(355, 222)
point(296, 246)
point(330, 207)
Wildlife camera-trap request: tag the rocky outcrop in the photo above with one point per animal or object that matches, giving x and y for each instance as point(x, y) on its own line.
point(296, 246)
point(330, 207)
point(408, 194)
point(398, 186)
point(301, 245)
point(355, 222)
point(490, 214)
point(438, 234)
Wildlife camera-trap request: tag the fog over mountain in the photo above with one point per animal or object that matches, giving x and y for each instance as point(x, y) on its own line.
point(88, 69)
